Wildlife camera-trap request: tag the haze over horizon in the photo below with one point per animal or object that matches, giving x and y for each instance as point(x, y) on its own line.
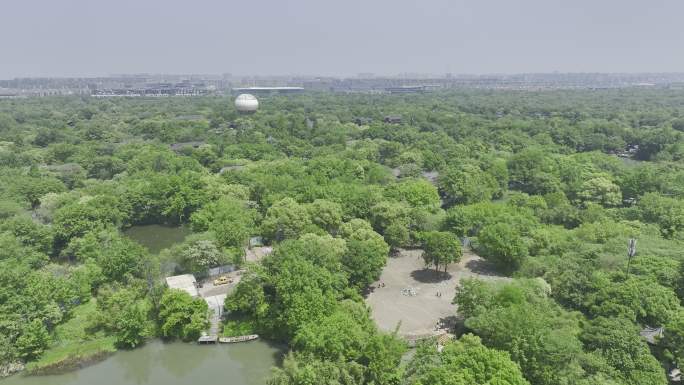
point(385, 37)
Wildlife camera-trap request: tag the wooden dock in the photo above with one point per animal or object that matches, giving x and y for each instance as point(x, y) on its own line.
point(209, 339)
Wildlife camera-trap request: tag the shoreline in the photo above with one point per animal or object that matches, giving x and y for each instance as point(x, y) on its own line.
point(162, 359)
point(11, 368)
point(69, 364)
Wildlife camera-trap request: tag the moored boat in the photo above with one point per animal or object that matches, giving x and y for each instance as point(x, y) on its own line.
point(232, 340)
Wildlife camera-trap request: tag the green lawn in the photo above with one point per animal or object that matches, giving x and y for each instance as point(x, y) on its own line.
point(74, 345)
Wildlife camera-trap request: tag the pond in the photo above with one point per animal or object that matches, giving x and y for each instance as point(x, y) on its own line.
point(159, 363)
point(158, 237)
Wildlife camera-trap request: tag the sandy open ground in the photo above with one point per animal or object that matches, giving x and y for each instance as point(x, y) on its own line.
point(424, 313)
point(256, 254)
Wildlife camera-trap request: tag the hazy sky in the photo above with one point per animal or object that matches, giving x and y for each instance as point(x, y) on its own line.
point(343, 37)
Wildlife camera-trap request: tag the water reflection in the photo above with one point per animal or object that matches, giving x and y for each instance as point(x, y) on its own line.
point(183, 364)
point(158, 237)
point(159, 363)
point(137, 371)
point(246, 367)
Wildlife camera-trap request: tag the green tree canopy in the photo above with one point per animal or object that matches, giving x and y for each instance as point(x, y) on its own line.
point(286, 219)
point(463, 362)
point(181, 316)
point(503, 245)
point(466, 184)
point(440, 249)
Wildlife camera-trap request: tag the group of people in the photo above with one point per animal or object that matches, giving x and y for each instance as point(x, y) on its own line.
point(409, 292)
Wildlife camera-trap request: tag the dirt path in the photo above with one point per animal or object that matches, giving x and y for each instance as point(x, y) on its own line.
point(215, 297)
point(409, 295)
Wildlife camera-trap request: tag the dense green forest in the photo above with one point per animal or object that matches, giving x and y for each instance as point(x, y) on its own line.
point(547, 186)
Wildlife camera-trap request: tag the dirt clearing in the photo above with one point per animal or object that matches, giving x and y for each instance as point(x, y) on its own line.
point(418, 299)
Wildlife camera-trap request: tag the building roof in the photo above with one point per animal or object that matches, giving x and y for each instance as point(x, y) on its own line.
point(190, 117)
point(256, 241)
point(268, 89)
point(185, 282)
point(651, 334)
point(182, 145)
point(229, 168)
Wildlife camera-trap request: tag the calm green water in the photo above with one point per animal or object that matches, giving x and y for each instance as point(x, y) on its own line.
point(159, 363)
point(158, 237)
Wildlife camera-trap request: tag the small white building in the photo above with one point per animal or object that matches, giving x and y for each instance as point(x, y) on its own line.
point(652, 335)
point(185, 282)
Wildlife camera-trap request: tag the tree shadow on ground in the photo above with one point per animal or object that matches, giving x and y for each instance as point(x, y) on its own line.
point(403, 251)
point(368, 291)
point(394, 253)
point(482, 267)
point(450, 322)
point(430, 276)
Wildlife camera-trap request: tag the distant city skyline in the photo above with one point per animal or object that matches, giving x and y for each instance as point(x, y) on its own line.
point(85, 38)
point(151, 76)
point(361, 75)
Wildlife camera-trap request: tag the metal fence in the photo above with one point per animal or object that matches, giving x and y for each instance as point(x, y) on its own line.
point(221, 270)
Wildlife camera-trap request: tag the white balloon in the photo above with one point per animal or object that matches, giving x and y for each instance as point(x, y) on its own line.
point(246, 103)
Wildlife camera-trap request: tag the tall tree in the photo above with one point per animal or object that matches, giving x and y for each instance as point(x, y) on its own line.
point(441, 248)
point(502, 244)
point(286, 219)
point(182, 316)
point(463, 362)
